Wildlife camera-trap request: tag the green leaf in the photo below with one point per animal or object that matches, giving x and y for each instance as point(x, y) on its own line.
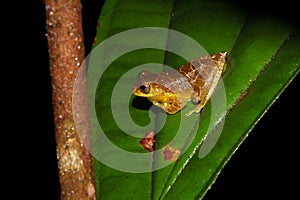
point(264, 58)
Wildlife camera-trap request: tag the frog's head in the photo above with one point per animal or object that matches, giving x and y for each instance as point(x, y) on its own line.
point(153, 87)
point(145, 85)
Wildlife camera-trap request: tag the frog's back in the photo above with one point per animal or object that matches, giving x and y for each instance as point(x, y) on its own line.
point(204, 72)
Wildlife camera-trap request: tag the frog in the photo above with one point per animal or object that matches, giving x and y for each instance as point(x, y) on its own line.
point(194, 81)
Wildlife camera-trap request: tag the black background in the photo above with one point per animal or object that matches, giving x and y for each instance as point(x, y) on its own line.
point(263, 166)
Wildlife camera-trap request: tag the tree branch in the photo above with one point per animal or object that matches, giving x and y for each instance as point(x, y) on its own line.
point(66, 52)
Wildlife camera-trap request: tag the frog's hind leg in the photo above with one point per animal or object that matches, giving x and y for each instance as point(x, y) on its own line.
point(200, 99)
point(196, 99)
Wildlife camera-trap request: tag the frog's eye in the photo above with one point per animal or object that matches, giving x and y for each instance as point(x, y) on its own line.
point(145, 88)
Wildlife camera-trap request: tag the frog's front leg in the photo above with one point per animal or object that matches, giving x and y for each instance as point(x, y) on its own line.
point(174, 105)
point(169, 103)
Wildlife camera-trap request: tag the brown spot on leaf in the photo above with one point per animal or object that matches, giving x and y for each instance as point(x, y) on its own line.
point(148, 141)
point(171, 153)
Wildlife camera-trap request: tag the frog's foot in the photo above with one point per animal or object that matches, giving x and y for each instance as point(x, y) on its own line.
point(197, 109)
point(189, 113)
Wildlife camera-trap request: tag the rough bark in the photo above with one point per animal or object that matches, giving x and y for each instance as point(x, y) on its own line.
point(66, 52)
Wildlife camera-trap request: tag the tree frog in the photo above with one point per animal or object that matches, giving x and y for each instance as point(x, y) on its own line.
point(194, 81)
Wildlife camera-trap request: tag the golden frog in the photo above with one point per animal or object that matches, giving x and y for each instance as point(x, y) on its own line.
point(194, 81)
